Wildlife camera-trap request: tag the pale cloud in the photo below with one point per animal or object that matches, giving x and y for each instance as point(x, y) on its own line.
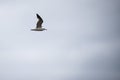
point(81, 43)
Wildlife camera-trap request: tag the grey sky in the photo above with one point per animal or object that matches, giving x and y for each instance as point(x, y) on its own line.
point(82, 41)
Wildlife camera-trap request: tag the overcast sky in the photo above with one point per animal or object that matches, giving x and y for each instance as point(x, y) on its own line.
point(82, 41)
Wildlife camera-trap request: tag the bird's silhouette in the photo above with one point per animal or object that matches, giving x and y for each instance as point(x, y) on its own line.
point(39, 24)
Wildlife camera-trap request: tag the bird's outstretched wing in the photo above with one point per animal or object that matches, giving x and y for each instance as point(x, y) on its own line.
point(40, 21)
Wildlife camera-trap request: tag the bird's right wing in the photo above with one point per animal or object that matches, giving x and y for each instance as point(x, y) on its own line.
point(40, 21)
point(39, 18)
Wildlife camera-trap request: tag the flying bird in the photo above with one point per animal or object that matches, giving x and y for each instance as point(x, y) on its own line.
point(39, 24)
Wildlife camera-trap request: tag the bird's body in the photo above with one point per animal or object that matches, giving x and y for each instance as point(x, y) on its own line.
point(39, 24)
point(38, 29)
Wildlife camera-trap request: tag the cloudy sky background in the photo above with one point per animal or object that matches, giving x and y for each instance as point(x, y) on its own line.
point(82, 41)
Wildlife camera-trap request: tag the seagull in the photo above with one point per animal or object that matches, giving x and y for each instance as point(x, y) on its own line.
point(39, 24)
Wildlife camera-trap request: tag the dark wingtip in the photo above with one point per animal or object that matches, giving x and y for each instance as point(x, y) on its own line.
point(38, 16)
point(36, 13)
